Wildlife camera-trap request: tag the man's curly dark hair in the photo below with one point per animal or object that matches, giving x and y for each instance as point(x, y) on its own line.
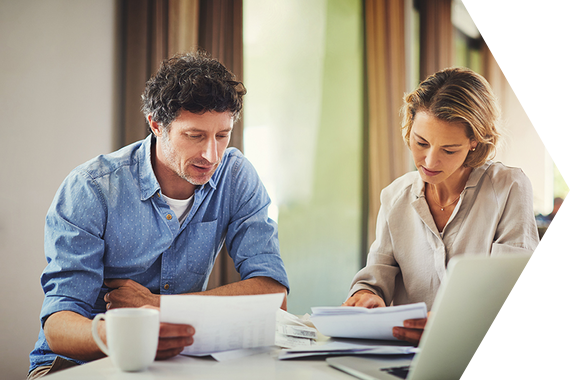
point(193, 82)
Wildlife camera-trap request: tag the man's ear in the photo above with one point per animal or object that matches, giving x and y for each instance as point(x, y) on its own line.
point(154, 126)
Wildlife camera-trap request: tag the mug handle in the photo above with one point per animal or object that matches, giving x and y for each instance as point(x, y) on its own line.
point(95, 334)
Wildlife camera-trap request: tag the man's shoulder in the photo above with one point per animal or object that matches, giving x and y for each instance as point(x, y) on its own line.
point(107, 164)
point(232, 153)
point(232, 164)
point(236, 174)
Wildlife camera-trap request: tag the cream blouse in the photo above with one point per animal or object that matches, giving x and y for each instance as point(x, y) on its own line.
point(407, 261)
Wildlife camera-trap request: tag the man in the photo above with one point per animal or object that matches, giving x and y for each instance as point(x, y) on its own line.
point(150, 218)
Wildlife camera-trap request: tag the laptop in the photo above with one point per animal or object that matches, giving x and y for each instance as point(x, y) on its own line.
point(470, 296)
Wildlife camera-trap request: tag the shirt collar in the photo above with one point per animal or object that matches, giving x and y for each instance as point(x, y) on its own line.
point(477, 174)
point(213, 182)
point(147, 180)
point(418, 187)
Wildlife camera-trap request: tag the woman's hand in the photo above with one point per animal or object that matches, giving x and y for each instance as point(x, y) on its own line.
point(365, 298)
point(412, 330)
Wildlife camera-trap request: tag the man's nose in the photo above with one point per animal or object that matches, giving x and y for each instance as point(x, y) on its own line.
point(210, 151)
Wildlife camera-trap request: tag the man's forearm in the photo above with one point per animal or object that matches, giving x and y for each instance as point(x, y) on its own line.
point(256, 285)
point(128, 293)
point(69, 334)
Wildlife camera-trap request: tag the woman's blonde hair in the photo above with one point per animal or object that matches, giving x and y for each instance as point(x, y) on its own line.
point(458, 95)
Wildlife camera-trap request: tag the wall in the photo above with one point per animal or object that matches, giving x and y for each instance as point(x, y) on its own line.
point(58, 102)
point(530, 69)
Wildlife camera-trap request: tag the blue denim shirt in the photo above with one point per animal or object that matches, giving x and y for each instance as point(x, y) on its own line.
point(108, 220)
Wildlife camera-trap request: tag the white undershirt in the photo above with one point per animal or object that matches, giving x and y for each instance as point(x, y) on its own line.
point(181, 207)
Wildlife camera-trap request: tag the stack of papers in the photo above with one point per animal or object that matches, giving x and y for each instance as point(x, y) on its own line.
point(363, 323)
point(292, 331)
point(350, 347)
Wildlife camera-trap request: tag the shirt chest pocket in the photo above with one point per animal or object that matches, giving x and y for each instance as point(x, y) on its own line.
point(199, 245)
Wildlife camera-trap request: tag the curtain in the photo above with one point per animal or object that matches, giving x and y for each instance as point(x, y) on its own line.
point(388, 156)
point(221, 34)
point(436, 36)
point(494, 52)
point(153, 30)
point(182, 25)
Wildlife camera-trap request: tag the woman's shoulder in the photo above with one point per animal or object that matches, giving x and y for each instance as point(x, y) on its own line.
point(498, 173)
point(409, 182)
point(404, 181)
point(503, 178)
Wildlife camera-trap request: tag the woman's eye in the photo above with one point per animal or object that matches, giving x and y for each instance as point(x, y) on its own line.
point(450, 152)
point(423, 145)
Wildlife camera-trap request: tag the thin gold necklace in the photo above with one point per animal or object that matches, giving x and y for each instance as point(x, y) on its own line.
point(436, 196)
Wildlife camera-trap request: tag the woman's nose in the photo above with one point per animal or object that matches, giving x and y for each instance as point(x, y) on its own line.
point(432, 158)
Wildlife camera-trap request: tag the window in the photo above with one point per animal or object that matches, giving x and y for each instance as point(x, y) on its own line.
point(468, 52)
point(467, 40)
point(303, 122)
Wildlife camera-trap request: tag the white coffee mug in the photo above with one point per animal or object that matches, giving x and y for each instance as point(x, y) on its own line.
point(132, 337)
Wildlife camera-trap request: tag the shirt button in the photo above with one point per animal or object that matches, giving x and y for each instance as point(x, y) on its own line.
point(166, 286)
point(158, 195)
point(169, 216)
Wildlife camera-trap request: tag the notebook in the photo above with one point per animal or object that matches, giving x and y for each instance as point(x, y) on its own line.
point(470, 296)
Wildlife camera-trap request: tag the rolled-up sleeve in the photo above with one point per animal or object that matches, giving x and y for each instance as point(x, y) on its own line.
point(516, 231)
point(252, 237)
point(379, 274)
point(74, 247)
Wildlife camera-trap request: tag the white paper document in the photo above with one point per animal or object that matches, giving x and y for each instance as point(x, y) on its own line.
point(349, 347)
point(363, 323)
point(224, 323)
point(223, 356)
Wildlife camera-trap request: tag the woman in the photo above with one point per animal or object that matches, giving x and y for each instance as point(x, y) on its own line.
point(457, 202)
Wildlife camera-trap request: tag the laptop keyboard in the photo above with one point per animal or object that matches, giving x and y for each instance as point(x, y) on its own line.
point(401, 372)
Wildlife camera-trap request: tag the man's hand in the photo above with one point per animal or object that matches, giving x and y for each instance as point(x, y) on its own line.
point(128, 293)
point(365, 298)
point(172, 338)
point(412, 330)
